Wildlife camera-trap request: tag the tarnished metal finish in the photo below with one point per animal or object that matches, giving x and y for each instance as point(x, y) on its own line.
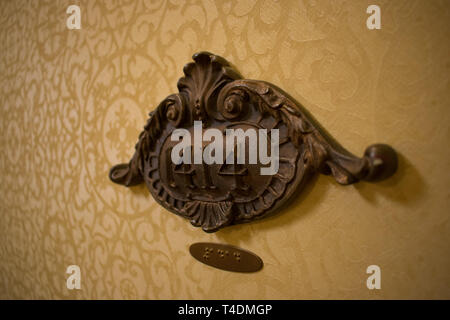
point(214, 196)
point(226, 257)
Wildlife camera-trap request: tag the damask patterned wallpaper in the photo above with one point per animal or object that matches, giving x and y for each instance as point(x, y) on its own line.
point(73, 102)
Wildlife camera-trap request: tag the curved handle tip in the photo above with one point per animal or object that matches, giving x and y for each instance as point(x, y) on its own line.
point(383, 162)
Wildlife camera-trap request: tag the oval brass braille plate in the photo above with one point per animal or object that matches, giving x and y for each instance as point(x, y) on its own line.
point(226, 257)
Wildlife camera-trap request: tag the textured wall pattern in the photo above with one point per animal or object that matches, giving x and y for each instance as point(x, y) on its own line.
point(73, 102)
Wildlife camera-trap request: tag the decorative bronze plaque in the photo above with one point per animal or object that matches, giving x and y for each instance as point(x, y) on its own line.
point(212, 195)
point(226, 257)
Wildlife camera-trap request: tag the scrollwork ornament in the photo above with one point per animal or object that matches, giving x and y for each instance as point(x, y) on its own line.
point(213, 196)
point(234, 105)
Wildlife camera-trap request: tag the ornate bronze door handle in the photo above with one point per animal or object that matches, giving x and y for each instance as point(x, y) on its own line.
point(216, 195)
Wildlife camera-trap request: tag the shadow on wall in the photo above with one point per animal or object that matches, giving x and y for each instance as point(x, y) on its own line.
point(291, 211)
point(394, 189)
point(407, 177)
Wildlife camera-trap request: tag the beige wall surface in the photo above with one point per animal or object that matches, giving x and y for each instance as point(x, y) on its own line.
point(74, 101)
